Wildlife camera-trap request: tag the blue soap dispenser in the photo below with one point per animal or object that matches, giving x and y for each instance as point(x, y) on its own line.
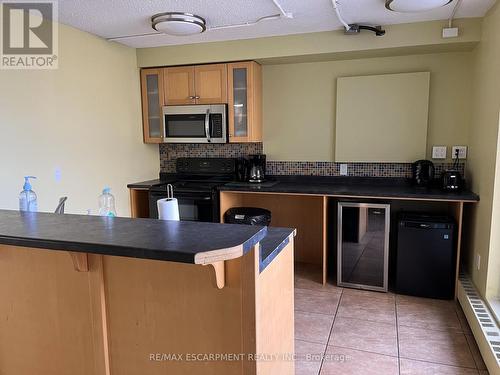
point(27, 197)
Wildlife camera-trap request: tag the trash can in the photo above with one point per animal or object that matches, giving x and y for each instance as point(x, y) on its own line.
point(248, 215)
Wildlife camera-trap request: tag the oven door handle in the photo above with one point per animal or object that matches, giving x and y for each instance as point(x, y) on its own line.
point(181, 196)
point(207, 126)
point(193, 197)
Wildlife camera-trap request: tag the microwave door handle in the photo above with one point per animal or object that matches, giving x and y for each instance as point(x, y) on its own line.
point(207, 125)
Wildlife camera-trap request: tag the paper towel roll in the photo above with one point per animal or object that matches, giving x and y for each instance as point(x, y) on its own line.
point(168, 209)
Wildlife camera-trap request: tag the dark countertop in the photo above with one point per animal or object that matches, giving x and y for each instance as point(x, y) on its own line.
point(383, 187)
point(144, 184)
point(275, 241)
point(186, 242)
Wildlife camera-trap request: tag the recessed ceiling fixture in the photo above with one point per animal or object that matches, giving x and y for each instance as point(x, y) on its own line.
point(410, 6)
point(178, 23)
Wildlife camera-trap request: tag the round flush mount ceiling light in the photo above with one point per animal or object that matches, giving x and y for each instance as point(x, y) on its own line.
point(178, 23)
point(410, 6)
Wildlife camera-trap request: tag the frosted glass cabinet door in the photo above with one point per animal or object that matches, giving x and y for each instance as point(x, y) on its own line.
point(240, 104)
point(152, 102)
point(363, 245)
point(244, 99)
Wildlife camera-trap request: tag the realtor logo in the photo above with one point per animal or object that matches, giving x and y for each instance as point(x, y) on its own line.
point(29, 35)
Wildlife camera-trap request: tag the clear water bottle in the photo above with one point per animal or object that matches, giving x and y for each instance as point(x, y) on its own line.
point(27, 197)
point(107, 203)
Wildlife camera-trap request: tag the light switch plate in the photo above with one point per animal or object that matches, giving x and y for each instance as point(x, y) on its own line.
point(343, 169)
point(462, 152)
point(439, 152)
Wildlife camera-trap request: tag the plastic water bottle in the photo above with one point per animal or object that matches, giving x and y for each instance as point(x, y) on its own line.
point(27, 197)
point(107, 203)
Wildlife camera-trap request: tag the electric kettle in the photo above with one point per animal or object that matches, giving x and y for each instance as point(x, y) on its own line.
point(423, 173)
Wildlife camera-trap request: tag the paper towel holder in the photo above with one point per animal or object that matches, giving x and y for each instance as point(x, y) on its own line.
point(168, 208)
point(170, 192)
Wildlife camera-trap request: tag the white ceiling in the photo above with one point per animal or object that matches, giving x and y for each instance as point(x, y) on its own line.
point(115, 18)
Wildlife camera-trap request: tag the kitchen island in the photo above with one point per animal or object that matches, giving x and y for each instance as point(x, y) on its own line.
point(97, 295)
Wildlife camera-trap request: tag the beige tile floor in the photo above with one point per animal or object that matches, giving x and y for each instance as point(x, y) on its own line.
point(349, 332)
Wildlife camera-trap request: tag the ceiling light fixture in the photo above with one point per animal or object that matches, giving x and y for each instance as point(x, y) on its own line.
point(414, 6)
point(178, 23)
point(185, 24)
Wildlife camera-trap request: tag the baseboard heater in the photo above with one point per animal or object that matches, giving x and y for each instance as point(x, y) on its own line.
point(482, 323)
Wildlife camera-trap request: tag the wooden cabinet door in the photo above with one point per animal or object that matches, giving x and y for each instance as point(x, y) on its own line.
point(211, 84)
point(152, 102)
point(179, 85)
point(245, 102)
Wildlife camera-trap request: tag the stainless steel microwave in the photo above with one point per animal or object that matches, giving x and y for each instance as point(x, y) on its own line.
point(195, 123)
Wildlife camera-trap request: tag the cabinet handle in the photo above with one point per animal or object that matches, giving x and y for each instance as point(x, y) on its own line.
point(192, 97)
point(197, 97)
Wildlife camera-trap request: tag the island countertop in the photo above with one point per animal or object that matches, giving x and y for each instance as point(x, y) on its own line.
point(186, 242)
point(76, 284)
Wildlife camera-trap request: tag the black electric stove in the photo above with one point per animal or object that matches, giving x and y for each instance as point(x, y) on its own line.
point(195, 187)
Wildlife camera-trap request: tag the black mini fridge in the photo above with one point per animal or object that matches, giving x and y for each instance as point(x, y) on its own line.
point(426, 256)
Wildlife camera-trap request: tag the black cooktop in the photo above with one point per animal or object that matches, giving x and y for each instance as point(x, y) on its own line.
point(198, 174)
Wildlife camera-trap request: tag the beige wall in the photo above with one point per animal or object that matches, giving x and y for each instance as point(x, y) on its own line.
point(83, 119)
point(493, 282)
point(397, 118)
point(399, 39)
point(483, 136)
point(300, 100)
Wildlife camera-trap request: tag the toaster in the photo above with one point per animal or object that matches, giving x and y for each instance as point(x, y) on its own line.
point(452, 180)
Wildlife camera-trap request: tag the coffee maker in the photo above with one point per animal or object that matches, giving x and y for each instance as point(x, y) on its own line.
point(257, 168)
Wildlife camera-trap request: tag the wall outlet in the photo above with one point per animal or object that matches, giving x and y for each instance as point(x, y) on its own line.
point(439, 152)
point(343, 169)
point(462, 152)
point(478, 261)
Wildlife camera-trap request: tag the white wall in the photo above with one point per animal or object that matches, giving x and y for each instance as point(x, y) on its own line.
point(483, 137)
point(84, 119)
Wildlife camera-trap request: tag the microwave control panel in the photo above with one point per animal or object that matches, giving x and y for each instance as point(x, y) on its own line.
point(216, 129)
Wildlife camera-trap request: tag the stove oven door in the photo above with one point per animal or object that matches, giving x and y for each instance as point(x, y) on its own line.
point(192, 206)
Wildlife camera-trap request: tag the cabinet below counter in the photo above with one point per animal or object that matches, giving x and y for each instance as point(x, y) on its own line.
point(357, 187)
point(309, 204)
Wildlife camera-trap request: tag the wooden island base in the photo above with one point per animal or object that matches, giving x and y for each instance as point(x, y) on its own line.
point(129, 316)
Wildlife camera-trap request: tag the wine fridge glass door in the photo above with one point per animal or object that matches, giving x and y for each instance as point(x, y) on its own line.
point(363, 245)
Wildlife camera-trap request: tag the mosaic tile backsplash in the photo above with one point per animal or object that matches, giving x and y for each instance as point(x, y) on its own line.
point(170, 152)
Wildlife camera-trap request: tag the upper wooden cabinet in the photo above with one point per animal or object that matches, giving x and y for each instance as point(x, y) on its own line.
point(211, 83)
point(179, 85)
point(245, 102)
point(237, 84)
point(152, 102)
point(201, 84)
